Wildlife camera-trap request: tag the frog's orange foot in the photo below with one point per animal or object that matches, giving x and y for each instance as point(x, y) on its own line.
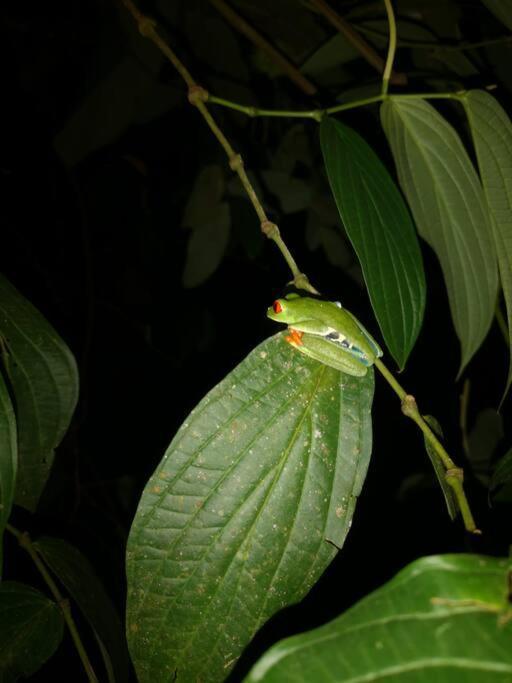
point(294, 337)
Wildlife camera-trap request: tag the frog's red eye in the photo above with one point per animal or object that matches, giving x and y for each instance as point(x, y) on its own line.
point(277, 307)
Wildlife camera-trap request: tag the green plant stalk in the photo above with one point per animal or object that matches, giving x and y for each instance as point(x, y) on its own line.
point(453, 474)
point(25, 542)
point(318, 114)
point(391, 47)
point(197, 96)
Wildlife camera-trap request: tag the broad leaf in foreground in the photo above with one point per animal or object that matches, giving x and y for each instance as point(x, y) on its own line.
point(443, 619)
point(44, 380)
point(79, 578)
point(382, 233)
point(492, 136)
point(244, 512)
point(448, 205)
point(8, 458)
point(31, 628)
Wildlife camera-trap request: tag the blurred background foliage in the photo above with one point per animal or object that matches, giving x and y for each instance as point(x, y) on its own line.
point(123, 224)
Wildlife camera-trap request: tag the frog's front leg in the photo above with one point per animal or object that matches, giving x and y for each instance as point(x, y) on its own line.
point(311, 327)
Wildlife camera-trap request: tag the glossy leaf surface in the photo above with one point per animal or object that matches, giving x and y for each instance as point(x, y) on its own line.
point(441, 619)
point(381, 231)
point(31, 628)
point(77, 575)
point(448, 205)
point(491, 130)
point(243, 513)
point(44, 381)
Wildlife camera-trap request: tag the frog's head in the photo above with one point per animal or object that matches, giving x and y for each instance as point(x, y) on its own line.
point(285, 310)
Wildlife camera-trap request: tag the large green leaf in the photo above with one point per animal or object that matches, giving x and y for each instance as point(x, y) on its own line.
point(44, 381)
point(492, 136)
point(380, 228)
point(31, 628)
point(8, 458)
point(79, 578)
point(244, 512)
point(441, 619)
point(449, 208)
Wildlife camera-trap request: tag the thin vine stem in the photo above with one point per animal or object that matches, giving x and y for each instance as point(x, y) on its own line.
point(318, 114)
point(25, 542)
point(453, 474)
point(388, 69)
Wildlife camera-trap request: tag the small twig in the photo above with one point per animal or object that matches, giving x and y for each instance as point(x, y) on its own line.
point(243, 27)
point(198, 96)
point(366, 50)
point(318, 114)
point(25, 542)
point(453, 474)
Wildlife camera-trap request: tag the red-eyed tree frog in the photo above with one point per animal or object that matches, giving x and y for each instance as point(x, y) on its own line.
point(325, 331)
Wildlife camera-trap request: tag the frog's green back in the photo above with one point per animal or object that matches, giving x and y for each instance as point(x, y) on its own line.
point(340, 319)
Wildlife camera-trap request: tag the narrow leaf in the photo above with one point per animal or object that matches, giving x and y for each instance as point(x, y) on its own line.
point(243, 514)
point(492, 136)
point(380, 228)
point(8, 458)
point(79, 578)
point(31, 628)
point(443, 619)
point(502, 10)
point(44, 381)
point(502, 474)
point(206, 246)
point(448, 493)
point(449, 208)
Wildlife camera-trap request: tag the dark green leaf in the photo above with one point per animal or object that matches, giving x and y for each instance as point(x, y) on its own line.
point(294, 194)
point(243, 514)
point(502, 9)
point(381, 231)
point(79, 578)
point(483, 439)
point(209, 218)
point(492, 136)
point(443, 619)
point(449, 495)
point(449, 208)
point(31, 628)
point(206, 247)
point(128, 94)
point(44, 381)
point(502, 474)
point(8, 458)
